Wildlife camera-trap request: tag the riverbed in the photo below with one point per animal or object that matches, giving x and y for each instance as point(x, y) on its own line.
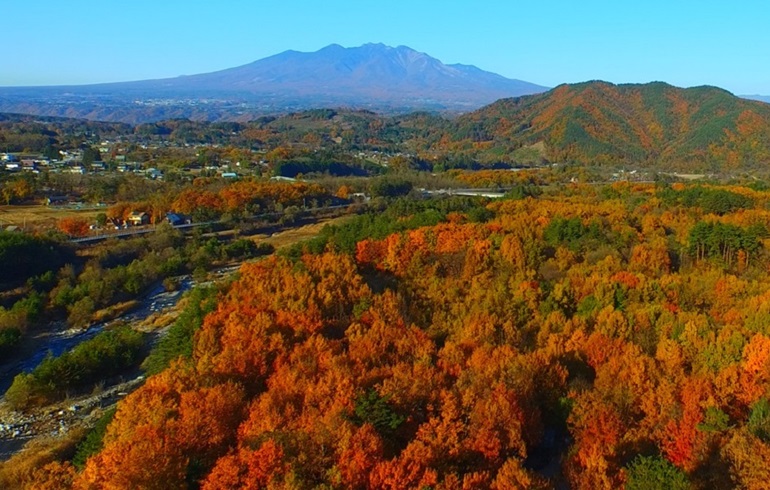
point(16, 429)
point(59, 339)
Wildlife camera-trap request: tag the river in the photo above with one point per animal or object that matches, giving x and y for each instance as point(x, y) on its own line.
point(61, 340)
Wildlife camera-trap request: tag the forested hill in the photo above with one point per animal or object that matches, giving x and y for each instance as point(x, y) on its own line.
point(656, 123)
point(589, 338)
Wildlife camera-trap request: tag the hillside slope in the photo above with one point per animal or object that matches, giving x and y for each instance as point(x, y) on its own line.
point(372, 72)
point(598, 122)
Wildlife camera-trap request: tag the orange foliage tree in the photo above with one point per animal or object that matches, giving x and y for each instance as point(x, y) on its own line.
point(76, 227)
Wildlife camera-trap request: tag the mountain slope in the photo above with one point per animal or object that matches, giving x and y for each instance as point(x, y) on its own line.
point(598, 122)
point(372, 76)
point(362, 74)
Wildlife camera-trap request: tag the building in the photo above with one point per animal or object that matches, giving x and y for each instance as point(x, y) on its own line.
point(56, 200)
point(154, 174)
point(138, 218)
point(176, 219)
point(128, 167)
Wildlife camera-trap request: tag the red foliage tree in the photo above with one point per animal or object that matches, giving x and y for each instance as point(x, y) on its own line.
point(76, 227)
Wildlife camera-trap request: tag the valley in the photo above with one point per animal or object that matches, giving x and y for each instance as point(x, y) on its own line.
point(564, 288)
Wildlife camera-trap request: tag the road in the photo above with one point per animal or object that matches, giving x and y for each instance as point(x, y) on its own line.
point(141, 230)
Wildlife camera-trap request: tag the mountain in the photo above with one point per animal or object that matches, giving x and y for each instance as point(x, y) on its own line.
point(598, 122)
point(372, 76)
point(761, 98)
point(372, 72)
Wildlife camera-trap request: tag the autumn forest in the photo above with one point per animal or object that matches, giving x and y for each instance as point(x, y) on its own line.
point(586, 337)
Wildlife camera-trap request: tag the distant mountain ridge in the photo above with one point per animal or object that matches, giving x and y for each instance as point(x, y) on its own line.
point(761, 98)
point(372, 76)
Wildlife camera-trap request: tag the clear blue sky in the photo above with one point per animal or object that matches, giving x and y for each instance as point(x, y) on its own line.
point(683, 42)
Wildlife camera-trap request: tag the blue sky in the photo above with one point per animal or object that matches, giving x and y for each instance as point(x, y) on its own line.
point(683, 42)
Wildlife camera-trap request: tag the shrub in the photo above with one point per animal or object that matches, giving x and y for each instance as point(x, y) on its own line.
point(107, 354)
point(245, 248)
point(386, 187)
point(24, 256)
point(759, 419)
point(374, 409)
point(94, 440)
point(655, 473)
point(179, 340)
point(9, 337)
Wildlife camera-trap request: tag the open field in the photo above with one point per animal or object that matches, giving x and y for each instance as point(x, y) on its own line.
point(37, 215)
point(290, 237)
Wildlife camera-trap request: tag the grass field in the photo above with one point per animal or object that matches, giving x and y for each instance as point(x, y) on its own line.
point(290, 237)
point(39, 216)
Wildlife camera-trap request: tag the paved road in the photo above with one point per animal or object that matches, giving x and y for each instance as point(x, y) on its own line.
point(141, 230)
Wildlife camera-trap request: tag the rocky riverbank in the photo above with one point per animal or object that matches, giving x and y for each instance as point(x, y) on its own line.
point(17, 428)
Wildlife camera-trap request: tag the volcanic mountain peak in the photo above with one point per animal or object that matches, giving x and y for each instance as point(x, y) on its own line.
point(372, 76)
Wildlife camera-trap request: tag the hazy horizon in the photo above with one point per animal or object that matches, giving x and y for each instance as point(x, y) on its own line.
point(685, 44)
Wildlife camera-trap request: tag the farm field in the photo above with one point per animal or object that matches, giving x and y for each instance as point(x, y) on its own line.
point(39, 216)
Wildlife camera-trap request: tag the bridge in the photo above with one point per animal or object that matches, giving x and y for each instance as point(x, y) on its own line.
point(491, 193)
